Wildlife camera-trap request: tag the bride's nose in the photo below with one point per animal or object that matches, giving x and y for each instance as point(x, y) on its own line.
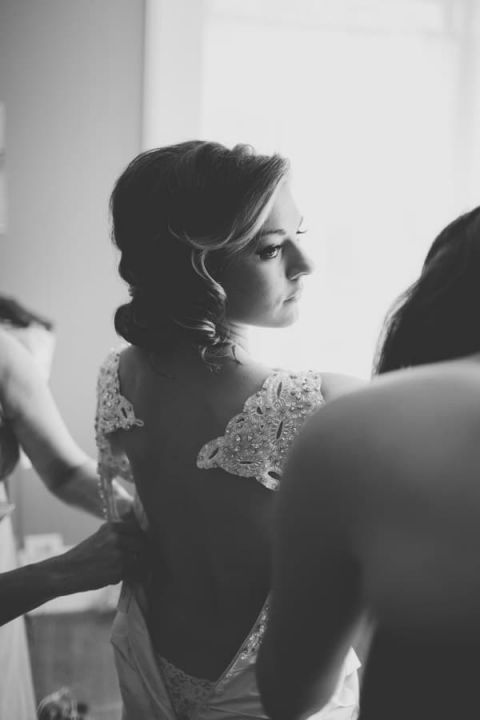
point(299, 263)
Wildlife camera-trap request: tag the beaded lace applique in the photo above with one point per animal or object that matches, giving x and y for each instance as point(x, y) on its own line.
point(255, 443)
point(250, 646)
point(257, 440)
point(114, 410)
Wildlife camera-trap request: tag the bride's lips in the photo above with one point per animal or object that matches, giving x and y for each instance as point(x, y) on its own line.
point(295, 296)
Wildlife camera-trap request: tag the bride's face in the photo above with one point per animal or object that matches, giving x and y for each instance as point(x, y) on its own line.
point(264, 283)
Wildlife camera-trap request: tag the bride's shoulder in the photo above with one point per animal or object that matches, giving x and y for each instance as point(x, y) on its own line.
point(335, 385)
point(120, 360)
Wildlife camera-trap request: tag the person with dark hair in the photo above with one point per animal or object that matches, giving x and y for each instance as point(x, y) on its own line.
point(30, 419)
point(210, 244)
point(378, 516)
point(436, 318)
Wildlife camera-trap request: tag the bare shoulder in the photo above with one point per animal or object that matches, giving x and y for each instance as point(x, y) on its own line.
point(418, 409)
point(446, 388)
point(133, 362)
point(22, 385)
point(16, 363)
point(9, 348)
point(130, 357)
point(430, 414)
point(406, 446)
point(337, 384)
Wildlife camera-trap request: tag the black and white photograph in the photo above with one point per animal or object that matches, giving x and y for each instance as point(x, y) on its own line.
point(239, 359)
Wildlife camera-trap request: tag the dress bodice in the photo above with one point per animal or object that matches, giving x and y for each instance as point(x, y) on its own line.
point(153, 689)
point(255, 442)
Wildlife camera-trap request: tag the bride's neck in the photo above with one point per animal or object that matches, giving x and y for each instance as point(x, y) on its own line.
point(183, 358)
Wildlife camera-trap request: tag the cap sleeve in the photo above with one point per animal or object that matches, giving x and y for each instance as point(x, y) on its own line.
point(114, 412)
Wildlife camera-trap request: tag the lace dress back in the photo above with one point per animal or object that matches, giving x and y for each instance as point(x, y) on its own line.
point(255, 442)
point(255, 445)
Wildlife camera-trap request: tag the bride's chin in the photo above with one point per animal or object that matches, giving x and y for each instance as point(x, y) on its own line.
point(288, 319)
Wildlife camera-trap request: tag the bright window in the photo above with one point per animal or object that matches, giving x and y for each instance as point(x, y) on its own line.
point(376, 103)
point(373, 102)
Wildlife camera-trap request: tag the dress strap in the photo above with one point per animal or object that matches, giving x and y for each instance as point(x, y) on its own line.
point(114, 412)
point(256, 441)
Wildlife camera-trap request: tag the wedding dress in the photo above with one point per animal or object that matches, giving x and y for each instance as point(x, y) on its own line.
point(255, 444)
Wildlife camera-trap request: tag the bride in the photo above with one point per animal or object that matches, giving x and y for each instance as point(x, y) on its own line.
point(210, 243)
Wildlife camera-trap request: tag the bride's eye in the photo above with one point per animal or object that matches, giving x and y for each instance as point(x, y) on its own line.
point(302, 231)
point(270, 252)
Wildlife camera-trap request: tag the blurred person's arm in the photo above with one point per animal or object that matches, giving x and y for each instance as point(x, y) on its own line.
point(114, 552)
point(32, 414)
point(316, 588)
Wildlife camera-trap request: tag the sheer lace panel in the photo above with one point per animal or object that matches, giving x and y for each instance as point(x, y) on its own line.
point(255, 443)
point(188, 693)
point(114, 412)
point(257, 440)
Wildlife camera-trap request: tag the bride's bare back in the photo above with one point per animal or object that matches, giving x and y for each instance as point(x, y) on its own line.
point(210, 528)
point(209, 242)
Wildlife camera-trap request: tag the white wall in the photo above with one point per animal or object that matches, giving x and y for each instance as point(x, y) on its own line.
point(173, 84)
point(71, 80)
point(377, 105)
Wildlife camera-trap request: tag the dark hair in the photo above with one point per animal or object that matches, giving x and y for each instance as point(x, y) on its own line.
point(179, 213)
point(438, 317)
point(12, 313)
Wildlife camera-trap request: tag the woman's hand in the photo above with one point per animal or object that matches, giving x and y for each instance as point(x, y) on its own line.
point(117, 551)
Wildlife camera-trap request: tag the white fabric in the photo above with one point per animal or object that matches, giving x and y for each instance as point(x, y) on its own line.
point(236, 695)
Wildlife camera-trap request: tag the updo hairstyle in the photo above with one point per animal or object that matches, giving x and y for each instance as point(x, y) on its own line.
point(180, 213)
